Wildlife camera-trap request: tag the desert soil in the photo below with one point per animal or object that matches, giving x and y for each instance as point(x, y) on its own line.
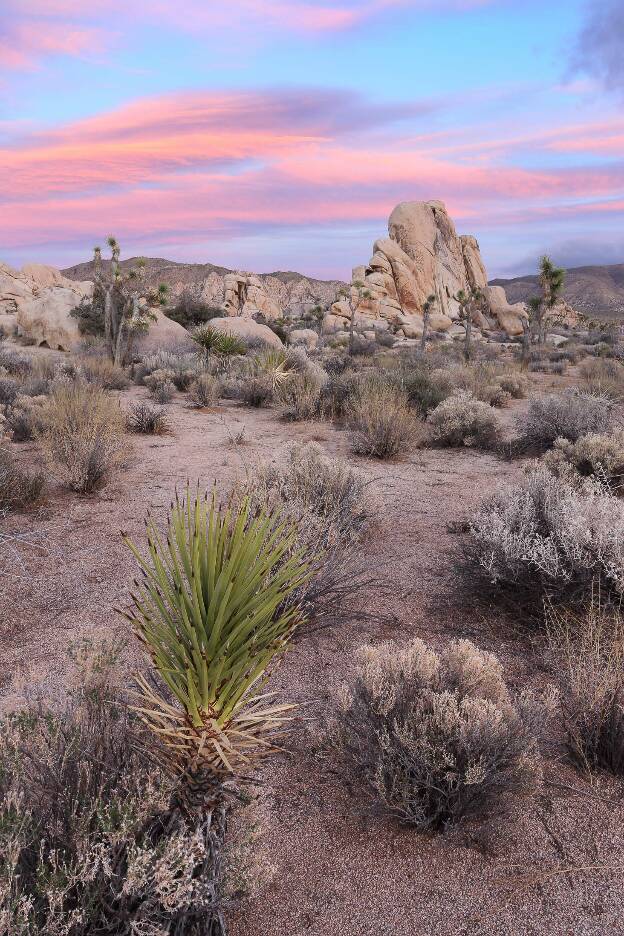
point(333, 868)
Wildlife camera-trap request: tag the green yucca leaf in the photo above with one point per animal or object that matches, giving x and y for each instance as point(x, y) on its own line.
point(210, 612)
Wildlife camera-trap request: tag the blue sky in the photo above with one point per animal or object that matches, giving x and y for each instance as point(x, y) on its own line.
point(279, 135)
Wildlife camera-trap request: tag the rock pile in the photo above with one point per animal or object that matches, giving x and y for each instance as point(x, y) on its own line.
point(423, 255)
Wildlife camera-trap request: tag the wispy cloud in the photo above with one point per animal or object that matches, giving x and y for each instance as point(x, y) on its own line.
point(34, 29)
point(197, 166)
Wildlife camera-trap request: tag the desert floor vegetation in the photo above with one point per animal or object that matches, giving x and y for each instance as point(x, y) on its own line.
point(435, 738)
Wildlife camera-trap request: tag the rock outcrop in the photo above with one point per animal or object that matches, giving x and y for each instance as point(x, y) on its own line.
point(245, 296)
point(422, 256)
point(36, 301)
point(291, 293)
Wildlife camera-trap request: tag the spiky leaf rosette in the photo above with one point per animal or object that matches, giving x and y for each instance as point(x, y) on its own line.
point(210, 610)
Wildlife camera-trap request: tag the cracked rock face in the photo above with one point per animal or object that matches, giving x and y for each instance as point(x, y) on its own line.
point(423, 255)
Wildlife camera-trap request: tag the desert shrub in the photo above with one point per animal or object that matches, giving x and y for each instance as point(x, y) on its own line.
point(17, 489)
point(256, 391)
point(14, 362)
point(89, 843)
point(190, 311)
point(600, 455)
point(312, 484)
point(603, 378)
point(101, 372)
point(436, 736)
point(148, 420)
point(588, 651)
point(513, 384)
point(161, 386)
point(23, 419)
point(182, 367)
point(380, 421)
point(461, 420)
point(204, 391)
point(331, 509)
point(569, 415)
point(550, 535)
point(9, 389)
point(425, 388)
point(82, 436)
point(336, 395)
point(300, 397)
point(481, 379)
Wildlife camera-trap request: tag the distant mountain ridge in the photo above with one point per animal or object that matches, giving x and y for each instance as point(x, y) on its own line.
point(292, 291)
point(596, 291)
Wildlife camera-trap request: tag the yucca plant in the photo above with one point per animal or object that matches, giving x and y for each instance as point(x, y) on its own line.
point(222, 344)
point(273, 363)
point(210, 611)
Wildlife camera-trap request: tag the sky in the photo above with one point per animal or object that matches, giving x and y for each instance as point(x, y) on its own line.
point(279, 134)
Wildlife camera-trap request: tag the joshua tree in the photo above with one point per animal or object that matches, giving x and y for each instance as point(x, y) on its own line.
point(428, 305)
point(469, 303)
point(121, 303)
point(211, 611)
point(354, 297)
point(540, 308)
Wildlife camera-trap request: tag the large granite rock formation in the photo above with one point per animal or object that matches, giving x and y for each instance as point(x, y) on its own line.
point(423, 255)
point(36, 301)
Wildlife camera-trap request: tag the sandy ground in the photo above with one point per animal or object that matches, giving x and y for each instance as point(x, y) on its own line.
point(335, 869)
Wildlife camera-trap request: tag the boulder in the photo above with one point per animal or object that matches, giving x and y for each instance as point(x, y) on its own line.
point(304, 336)
point(36, 301)
point(46, 319)
point(509, 317)
point(247, 329)
point(163, 333)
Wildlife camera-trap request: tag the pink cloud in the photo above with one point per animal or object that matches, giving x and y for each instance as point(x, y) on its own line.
point(194, 166)
point(25, 42)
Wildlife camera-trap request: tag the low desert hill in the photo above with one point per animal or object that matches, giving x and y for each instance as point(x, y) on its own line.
point(597, 291)
point(293, 292)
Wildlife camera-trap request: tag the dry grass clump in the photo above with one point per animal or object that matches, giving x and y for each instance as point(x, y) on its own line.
point(147, 420)
point(513, 384)
point(23, 418)
point(329, 503)
point(82, 436)
point(88, 844)
point(256, 391)
point(550, 535)
point(600, 455)
point(462, 420)
point(381, 422)
point(603, 377)
point(204, 391)
point(588, 650)
point(182, 367)
point(18, 489)
point(572, 414)
point(161, 385)
point(101, 372)
point(482, 380)
point(436, 736)
point(300, 396)
point(15, 363)
point(312, 484)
